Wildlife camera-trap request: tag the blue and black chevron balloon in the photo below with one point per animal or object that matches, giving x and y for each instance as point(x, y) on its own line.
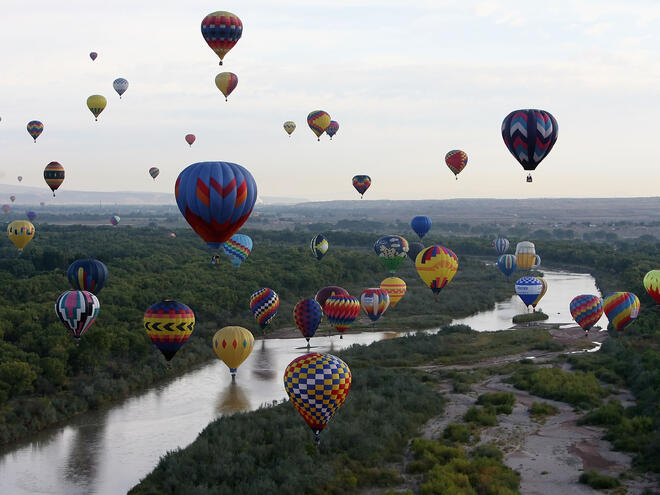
point(529, 135)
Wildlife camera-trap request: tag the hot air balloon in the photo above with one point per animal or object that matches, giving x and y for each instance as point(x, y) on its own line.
point(392, 250)
point(318, 121)
point(169, 324)
point(12, 198)
point(237, 248)
point(154, 171)
point(332, 129)
point(226, 83)
point(216, 199)
point(544, 289)
point(586, 310)
point(317, 385)
point(456, 160)
point(87, 274)
point(96, 104)
point(414, 248)
point(307, 315)
point(528, 289)
point(120, 85)
point(436, 266)
point(114, 220)
point(221, 30)
point(529, 135)
point(395, 287)
point(501, 245)
point(621, 309)
point(319, 246)
point(421, 225)
point(526, 255)
point(54, 176)
point(41, 203)
point(35, 128)
point(171, 235)
point(374, 302)
point(289, 127)
point(361, 183)
point(341, 311)
point(31, 215)
point(20, 178)
point(652, 285)
point(507, 264)
point(190, 139)
point(77, 310)
point(264, 305)
point(233, 345)
point(331, 290)
point(6, 209)
point(20, 232)
point(93, 55)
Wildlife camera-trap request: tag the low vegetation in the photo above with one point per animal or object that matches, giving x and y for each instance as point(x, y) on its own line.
point(530, 317)
point(598, 481)
point(542, 409)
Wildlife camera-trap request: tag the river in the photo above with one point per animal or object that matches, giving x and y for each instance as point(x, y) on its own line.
point(107, 451)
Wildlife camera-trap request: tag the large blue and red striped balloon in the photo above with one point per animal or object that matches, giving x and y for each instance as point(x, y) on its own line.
point(586, 310)
point(621, 309)
point(216, 199)
point(529, 135)
point(87, 274)
point(221, 31)
point(307, 315)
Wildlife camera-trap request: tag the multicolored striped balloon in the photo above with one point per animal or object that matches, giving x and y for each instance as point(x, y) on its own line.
point(307, 315)
point(237, 248)
point(395, 287)
point(392, 250)
point(77, 310)
point(319, 246)
point(35, 128)
point(226, 82)
point(374, 302)
point(652, 284)
point(361, 183)
point(114, 220)
point(436, 266)
point(341, 311)
point(317, 385)
point(507, 264)
point(216, 199)
point(529, 135)
point(621, 308)
point(586, 310)
point(318, 121)
point(264, 305)
point(169, 325)
point(501, 245)
point(233, 345)
point(332, 129)
point(528, 289)
point(456, 160)
point(154, 171)
point(87, 274)
point(54, 176)
point(221, 31)
point(331, 290)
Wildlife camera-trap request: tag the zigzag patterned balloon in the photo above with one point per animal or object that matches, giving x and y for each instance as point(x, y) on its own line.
point(318, 121)
point(529, 135)
point(621, 309)
point(341, 311)
point(238, 248)
point(652, 285)
point(35, 128)
point(361, 183)
point(77, 310)
point(307, 315)
point(169, 324)
point(586, 310)
point(318, 385)
point(264, 305)
point(456, 160)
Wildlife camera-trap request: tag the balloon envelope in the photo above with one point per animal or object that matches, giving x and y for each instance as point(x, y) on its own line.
point(190, 139)
point(77, 310)
point(318, 121)
point(20, 233)
point(307, 315)
point(544, 289)
point(528, 289)
point(319, 246)
point(341, 311)
point(93, 55)
point(331, 290)
point(421, 225)
point(54, 176)
point(652, 284)
point(361, 183)
point(332, 129)
point(289, 127)
point(507, 264)
point(226, 82)
point(169, 325)
point(221, 31)
point(526, 255)
point(436, 266)
point(392, 250)
point(414, 248)
point(233, 345)
point(621, 309)
point(264, 305)
point(501, 245)
point(396, 289)
point(154, 172)
point(31, 215)
point(216, 199)
point(87, 274)
point(456, 160)
point(586, 310)
point(374, 302)
point(529, 135)
point(35, 128)
point(120, 85)
point(96, 104)
point(317, 385)
point(237, 248)
point(114, 220)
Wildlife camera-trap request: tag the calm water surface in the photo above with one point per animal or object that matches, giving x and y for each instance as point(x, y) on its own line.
point(109, 450)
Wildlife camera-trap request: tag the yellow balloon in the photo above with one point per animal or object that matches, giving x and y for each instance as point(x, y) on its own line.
point(96, 104)
point(436, 265)
point(233, 345)
point(525, 255)
point(226, 83)
point(20, 232)
point(289, 127)
point(395, 287)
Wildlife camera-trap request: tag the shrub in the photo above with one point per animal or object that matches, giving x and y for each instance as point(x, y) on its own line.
point(543, 409)
point(480, 416)
point(598, 481)
point(607, 414)
point(456, 432)
point(501, 402)
point(488, 450)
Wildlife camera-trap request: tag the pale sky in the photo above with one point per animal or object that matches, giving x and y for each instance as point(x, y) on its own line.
point(407, 82)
